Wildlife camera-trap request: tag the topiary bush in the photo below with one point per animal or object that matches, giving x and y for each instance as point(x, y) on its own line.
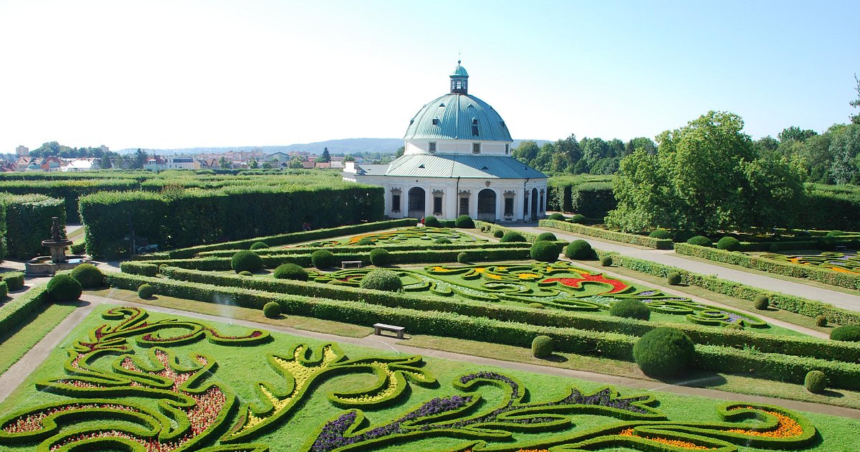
point(380, 279)
point(729, 244)
point(542, 347)
point(259, 246)
point(145, 291)
point(821, 320)
point(606, 261)
point(660, 234)
point(272, 310)
point(512, 236)
point(366, 241)
point(556, 216)
point(246, 260)
point(380, 257)
point(683, 236)
point(291, 271)
point(544, 251)
point(580, 250)
point(465, 222)
point(548, 236)
point(432, 222)
point(463, 258)
point(701, 240)
point(847, 333)
point(88, 275)
point(63, 288)
point(578, 218)
point(323, 259)
point(630, 309)
point(674, 279)
point(498, 233)
point(815, 381)
point(245, 273)
point(761, 302)
point(664, 352)
point(442, 241)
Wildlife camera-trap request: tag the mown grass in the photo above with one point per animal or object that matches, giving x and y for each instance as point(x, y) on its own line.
point(16, 343)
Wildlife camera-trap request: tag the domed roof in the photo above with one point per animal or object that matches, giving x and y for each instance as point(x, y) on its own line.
point(457, 117)
point(459, 71)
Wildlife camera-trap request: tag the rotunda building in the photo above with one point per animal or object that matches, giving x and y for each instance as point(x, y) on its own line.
point(457, 162)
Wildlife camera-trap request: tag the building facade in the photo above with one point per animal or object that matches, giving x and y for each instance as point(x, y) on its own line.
point(457, 162)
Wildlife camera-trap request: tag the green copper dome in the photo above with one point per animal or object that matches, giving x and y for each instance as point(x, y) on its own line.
point(457, 117)
point(459, 71)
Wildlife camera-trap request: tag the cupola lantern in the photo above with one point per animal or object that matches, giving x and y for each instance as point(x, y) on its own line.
point(459, 80)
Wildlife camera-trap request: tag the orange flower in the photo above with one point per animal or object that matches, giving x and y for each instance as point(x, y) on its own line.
point(786, 428)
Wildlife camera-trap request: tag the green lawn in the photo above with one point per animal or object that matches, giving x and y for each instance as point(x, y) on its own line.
point(402, 236)
point(325, 394)
point(16, 343)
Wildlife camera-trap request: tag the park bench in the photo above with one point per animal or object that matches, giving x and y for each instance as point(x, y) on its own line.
point(378, 328)
point(350, 264)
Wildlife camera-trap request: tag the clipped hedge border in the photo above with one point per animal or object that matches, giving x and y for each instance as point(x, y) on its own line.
point(15, 280)
point(19, 309)
point(293, 237)
point(369, 248)
point(810, 272)
point(660, 244)
point(791, 303)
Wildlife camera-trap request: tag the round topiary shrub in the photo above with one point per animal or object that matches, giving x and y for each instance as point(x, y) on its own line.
point(379, 279)
point(544, 251)
point(664, 352)
point(700, 240)
point(463, 258)
point(556, 217)
point(498, 233)
point(580, 250)
point(145, 291)
point(674, 279)
point(606, 261)
point(365, 241)
point(512, 236)
point(245, 273)
point(630, 309)
point(432, 222)
point(821, 320)
point(834, 233)
point(322, 259)
point(546, 236)
point(442, 241)
point(578, 218)
point(729, 244)
point(542, 347)
point(259, 246)
point(660, 234)
point(847, 333)
point(761, 302)
point(465, 222)
point(291, 271)
point(380, 257)
point(815, 381)
point(246, 261)
point(272, 310)
point(64, 288)
point(88, 275)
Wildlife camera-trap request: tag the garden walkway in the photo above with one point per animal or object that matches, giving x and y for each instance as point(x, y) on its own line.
point(668, 257)
point(10, 381)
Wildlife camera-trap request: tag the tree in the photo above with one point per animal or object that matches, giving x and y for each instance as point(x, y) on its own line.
point(105, 162)
point(351, 158)
point(254, 164)
point(845, 147)
point(796, 133)
point(399, 152)
point(296, 163)
point(526, 152)
point(140, 158)
point(267, 165)
point(224, 164)
point(766, 145)
point(855, 119)
point(325, 157)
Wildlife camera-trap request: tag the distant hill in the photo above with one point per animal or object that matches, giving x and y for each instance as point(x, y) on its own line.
point(344, 146)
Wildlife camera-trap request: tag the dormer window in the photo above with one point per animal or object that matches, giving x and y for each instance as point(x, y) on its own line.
point(476, 148)
point(507, 148)
point(432, 147)
point(435, 121)
point(475, 127)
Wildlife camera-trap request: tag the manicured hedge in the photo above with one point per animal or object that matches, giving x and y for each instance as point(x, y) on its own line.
point(28, 222)
point(660, 244)
point(299, 249)
point(612, 345)
point(798, 305)
point(230, 213)
point(13, 312)
point(810, 272)
point(574, 194)
point(15, 280)
point(69, 191)
point(800, 346)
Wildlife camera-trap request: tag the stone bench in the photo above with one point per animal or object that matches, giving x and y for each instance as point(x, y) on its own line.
point(378, 328)
point(350, 264)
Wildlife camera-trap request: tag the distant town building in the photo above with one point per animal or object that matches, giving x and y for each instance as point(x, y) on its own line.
point(89, 164)
point(457, 162)
point(22, 150)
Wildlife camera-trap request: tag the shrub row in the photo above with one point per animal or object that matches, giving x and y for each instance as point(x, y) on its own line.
point(813, 273)
point(798, 305)
point(69, 191)
point(611, 345)
point(799, 346)
point(14, 280)
point(174, 221)
point(28, 222)
point(650, 242)
point(573, 194)
point(368, 248)
point(16, 311)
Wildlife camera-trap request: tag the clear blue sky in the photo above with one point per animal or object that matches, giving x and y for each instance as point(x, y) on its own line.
point(169, 74)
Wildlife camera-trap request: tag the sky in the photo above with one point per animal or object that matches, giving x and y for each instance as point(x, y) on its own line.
point(177, 74)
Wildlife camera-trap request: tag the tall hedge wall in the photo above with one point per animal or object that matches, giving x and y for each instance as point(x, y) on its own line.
point(192, 217)
point(28, 222)
point(67, 190)
point(591, 197)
